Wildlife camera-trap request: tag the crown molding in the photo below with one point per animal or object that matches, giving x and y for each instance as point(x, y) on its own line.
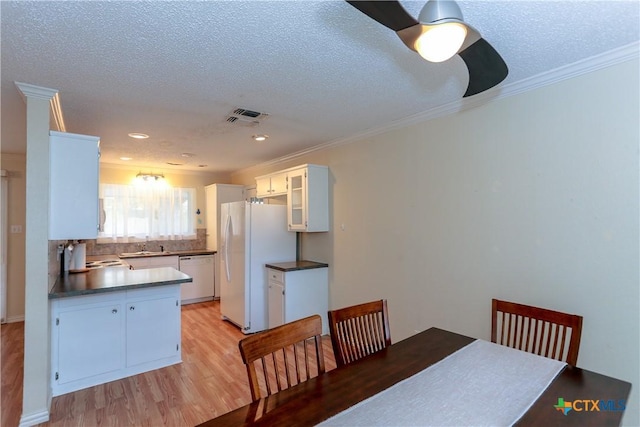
point(585, 66)
point(38, 92)
point(52, 95)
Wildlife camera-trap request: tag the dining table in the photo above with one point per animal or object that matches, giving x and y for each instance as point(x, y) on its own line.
point(362, 392)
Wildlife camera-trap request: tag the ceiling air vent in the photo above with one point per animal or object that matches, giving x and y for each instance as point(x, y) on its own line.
point(242, 116)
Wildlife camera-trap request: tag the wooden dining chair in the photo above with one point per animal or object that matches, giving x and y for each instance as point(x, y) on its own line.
point(359, 330)
point(284, 356)
point(536, 330)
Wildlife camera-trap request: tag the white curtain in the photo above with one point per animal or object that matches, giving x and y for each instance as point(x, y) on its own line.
point(150, 210)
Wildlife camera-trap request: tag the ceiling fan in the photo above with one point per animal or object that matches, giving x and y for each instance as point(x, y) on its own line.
point(438, 34)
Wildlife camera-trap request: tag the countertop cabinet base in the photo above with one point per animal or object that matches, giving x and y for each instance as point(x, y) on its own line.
point(100, 338)
point(293, 295)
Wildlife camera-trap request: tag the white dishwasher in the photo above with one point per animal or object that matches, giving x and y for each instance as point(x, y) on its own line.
point(201, 270)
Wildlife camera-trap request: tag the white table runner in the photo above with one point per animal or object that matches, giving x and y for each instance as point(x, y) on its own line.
point(482, 384)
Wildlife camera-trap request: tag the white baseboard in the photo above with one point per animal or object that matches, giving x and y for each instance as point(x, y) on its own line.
point(14, 319)
point(28, 420)
point(195, 300)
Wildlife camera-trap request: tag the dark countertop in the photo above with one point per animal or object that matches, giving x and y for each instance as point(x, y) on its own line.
point(192, 252)
point(115, 279)
point(296, 265)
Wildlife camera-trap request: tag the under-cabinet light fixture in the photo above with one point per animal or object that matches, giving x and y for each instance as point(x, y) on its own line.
point(149, 176)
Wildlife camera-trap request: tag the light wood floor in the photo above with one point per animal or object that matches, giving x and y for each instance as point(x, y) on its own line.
point(210, 381)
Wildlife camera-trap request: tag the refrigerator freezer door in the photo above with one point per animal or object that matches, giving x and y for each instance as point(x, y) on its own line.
point(253, 235)
point(233, 292)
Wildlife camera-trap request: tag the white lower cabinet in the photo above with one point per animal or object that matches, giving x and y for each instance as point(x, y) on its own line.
point(297, 294)
point(276, 302)
point(90, 341)
point(152, 330)
point(104, 337)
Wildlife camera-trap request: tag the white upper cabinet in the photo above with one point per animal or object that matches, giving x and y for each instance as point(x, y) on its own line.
point(217, 194)
point(271, 185)
point(307, 190)
point(308, 198)
point(74, 170)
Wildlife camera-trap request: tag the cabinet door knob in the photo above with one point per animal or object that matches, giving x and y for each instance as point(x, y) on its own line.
point(114, 311)
point(132, 308)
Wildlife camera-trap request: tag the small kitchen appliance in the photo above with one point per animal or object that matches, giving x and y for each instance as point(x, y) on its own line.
point(75, 258)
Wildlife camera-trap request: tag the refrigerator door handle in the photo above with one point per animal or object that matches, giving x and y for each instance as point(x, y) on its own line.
point(226, 248)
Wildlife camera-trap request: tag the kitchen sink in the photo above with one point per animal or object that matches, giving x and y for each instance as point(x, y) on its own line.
point(145, 253)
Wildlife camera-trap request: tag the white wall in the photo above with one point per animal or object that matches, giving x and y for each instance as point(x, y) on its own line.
point(532, 198)
point(16, 167)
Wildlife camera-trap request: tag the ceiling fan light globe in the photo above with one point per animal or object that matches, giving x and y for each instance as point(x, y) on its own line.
point(439, 43)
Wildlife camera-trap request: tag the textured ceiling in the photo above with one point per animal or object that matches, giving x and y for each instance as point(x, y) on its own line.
point(322, 70)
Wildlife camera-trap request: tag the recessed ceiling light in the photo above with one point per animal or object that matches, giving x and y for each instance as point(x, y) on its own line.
point(187, 155)
point(202, 166)
point(137, 135)
point(126, 158)
point(260, 137)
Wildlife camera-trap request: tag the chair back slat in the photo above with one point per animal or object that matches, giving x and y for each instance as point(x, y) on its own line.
point(284, 356)
point(536, 330)
point(359, 330)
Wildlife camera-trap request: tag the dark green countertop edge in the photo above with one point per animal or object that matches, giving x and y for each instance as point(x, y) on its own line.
point(66, 294)
point(194, 252)
point(63, 283)
point(296, 265)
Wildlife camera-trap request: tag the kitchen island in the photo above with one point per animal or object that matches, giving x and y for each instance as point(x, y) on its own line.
point(111, 323)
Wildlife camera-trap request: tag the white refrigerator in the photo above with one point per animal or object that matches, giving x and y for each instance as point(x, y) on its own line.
point(252, 235)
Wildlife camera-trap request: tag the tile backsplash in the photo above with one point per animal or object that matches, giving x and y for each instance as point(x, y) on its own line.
point(200, 242)
point(55, 265)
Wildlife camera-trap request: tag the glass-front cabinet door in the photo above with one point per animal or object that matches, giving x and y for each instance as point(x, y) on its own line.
point(296, 200)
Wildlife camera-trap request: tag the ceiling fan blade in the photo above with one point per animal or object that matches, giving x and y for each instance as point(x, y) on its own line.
point(486, 67)
point(389, 13)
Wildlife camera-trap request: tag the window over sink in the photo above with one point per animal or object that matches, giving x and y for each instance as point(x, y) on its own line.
point(154, 211)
